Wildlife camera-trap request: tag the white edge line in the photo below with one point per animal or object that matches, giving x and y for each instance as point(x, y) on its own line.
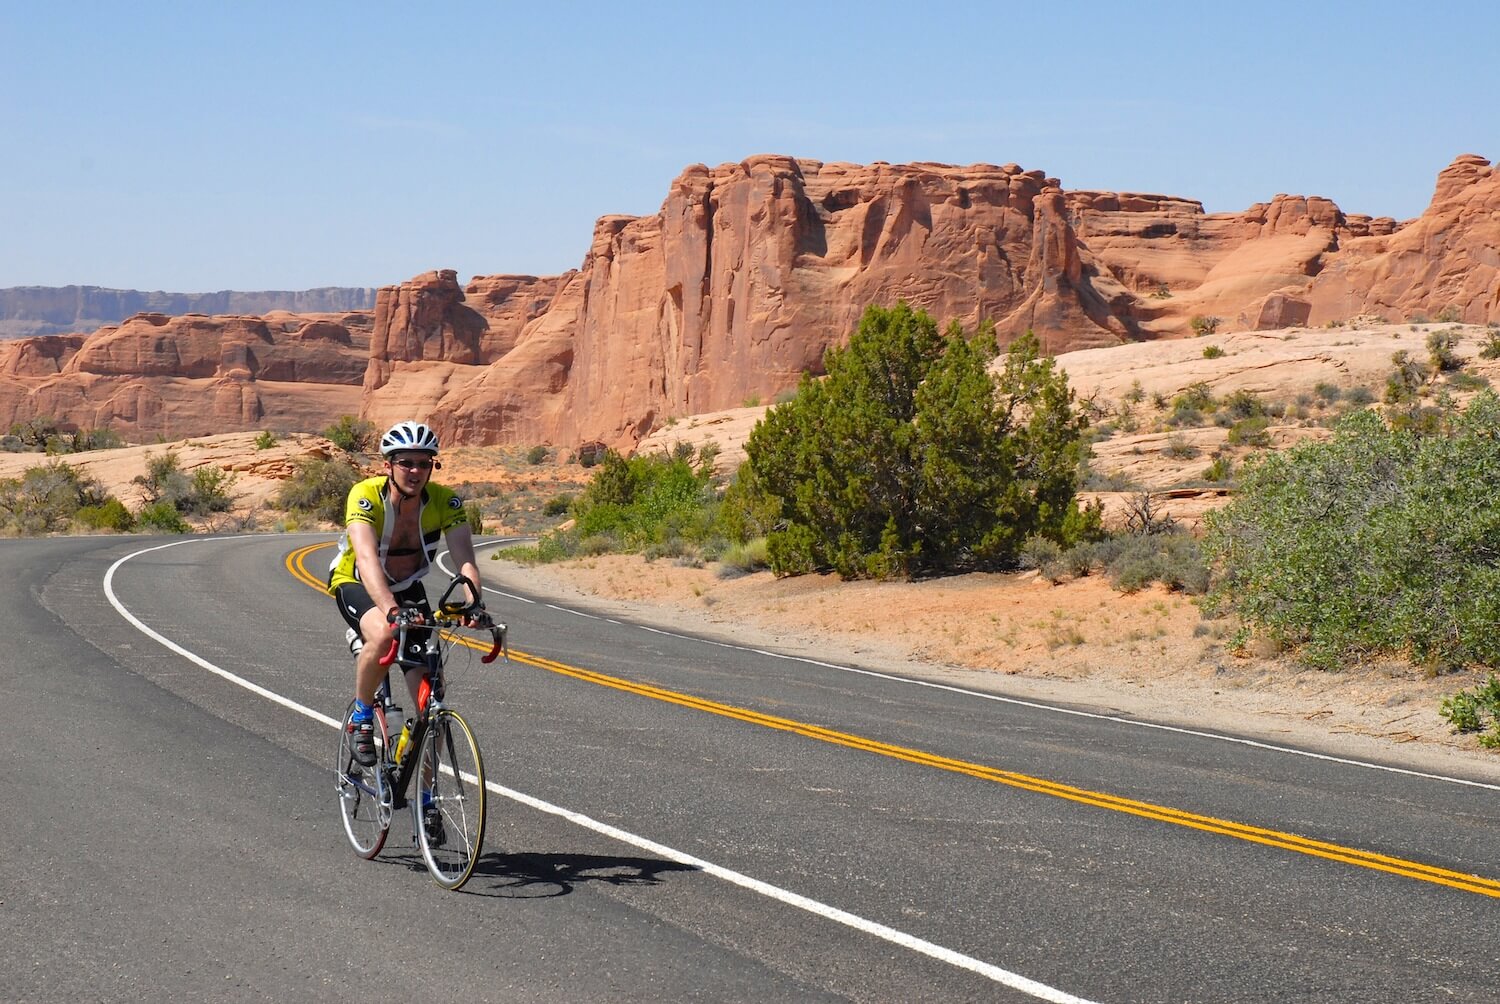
point(1005, 977)
point(1037, 706)
point(269, 695)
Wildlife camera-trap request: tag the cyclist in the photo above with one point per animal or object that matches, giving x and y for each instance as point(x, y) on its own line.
point(393, 523)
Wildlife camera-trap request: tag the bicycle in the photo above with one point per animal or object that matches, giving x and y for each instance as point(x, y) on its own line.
point(446, 760)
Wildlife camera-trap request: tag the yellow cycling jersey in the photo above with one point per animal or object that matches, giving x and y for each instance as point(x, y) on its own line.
point(442, 510)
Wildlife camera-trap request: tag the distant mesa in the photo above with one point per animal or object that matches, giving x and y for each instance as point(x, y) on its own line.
point(52, 310)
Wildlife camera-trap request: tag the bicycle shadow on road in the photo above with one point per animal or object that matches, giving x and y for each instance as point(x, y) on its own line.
point(542, 876)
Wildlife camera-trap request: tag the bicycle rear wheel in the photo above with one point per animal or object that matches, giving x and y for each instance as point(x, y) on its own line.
point(451, 804)
point(364, 796)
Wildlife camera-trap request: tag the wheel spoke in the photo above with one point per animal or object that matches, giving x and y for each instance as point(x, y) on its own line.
point(451, 783)
point(364, 798)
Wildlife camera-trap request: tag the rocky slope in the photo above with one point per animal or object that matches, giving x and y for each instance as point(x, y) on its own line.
point(745, 277)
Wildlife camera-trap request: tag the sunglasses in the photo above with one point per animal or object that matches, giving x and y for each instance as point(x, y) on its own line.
point(413, 465)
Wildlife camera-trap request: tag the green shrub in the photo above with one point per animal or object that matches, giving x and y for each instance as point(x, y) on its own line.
point(110, 514)
point(1174, 559)
point(557, 505)
point(1212, 352)
point(911, 458)
point(265, 440)
point(1218, 470)
point(164, 480)
point(1202, 325)
point(1472, 710)
point(205, 491)
point(1197, 396)
point(1442, 351)
point(318, 487)
point(644, 502)
point(161, 517)
point(475, 516)
point(83, 440)
point(1132, 561)
point(1179, 447)
point(44, 498)
point(1244, 404)
point(1092, 480)
point(536, 455)
point(742, 559)
point(208, 491)
point(1250, 432)
point(35, 432)
point(1406, 379)
point(1326, 392)
point(747, 510)
point(1377, 541)
point(1039, 552)
point(1462, 381)
point(351, 434)
point(673, 546)
point(1491, 347)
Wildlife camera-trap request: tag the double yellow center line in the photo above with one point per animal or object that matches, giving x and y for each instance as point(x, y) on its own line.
point(1146, 810)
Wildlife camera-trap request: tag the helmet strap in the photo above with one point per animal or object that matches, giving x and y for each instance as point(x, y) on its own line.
point(403, 495)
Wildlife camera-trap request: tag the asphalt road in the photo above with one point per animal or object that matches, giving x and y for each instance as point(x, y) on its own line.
point(681, 820)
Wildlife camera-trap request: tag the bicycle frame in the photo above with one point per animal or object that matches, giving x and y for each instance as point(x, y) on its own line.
point(429, 703)
point(441, 748)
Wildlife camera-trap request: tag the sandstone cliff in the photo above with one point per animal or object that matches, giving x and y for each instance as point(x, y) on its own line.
point(751, 270)
point(172, 377)
point(745, 277)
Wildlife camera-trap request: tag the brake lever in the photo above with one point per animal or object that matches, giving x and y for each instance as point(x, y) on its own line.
point(498, 635)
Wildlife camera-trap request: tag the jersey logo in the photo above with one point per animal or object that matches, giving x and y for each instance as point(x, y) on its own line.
point(366, 504)
point(455, 503)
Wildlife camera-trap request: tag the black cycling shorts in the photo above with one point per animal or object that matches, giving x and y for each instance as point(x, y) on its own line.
point(353, 600)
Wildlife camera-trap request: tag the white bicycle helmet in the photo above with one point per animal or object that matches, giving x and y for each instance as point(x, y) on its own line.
point(407, 436)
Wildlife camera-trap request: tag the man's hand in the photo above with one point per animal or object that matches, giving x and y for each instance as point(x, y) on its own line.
point(413, 615)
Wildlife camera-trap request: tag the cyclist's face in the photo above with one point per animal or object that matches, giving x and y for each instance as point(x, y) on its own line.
point(411, 468)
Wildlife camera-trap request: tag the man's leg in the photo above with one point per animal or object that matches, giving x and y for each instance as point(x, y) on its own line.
point(368, 672)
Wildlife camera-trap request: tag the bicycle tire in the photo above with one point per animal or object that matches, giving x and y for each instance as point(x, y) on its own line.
point(363, 794)
point(450, 777)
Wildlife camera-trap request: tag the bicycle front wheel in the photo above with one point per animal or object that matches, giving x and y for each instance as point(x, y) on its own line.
point(364, 796)
point(450, 780)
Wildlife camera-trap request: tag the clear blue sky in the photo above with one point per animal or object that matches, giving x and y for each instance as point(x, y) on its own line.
point(201, 146)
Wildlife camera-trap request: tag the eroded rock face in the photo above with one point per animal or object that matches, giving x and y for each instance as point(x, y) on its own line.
point(431, 334)
point(191, 375)
point(743, 280)
point(751, 271)
point(1444, 264)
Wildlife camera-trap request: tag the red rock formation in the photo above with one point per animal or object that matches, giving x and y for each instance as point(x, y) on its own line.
point(1444, 263)
point(745, 277)
point(191, 375)
point(752, 270)
point(430, 333)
